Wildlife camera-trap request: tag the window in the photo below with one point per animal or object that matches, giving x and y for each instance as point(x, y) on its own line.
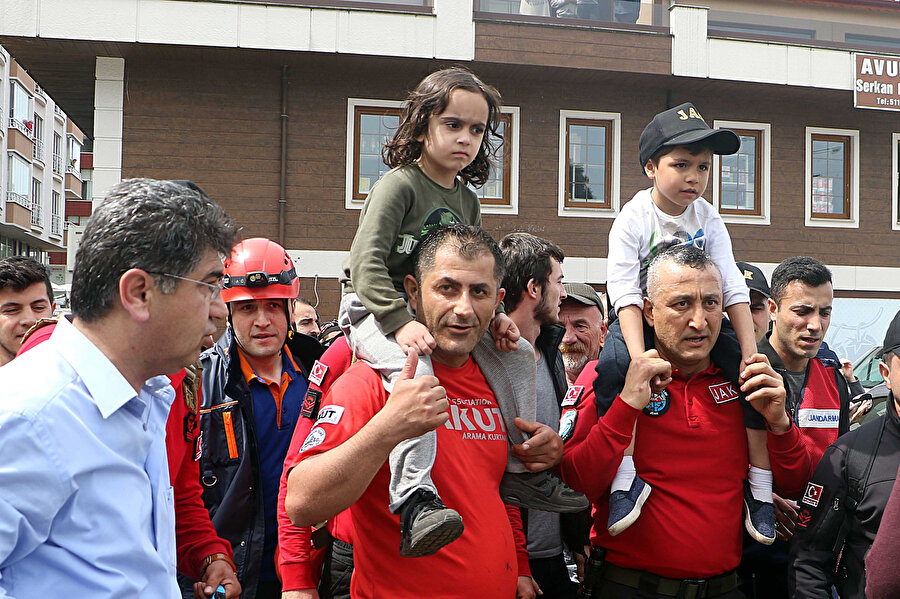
point(57, 158)
point(73, 155)
point(38, 127)
point(500, 194)
point(371, 123)
point(832, 174)
point(589, 163)
point(19, 181)
point(19, 102)
point(895, 181)
point(37, 216)
point(740, 187)
point(55, 217)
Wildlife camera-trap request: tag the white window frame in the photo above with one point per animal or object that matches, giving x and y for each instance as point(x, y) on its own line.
point(349, 185)
point(614, 199)
point(895, 190)
point(834, 223)
point(765, 188)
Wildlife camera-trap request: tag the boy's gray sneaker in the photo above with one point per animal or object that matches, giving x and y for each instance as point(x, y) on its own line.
point(625, 506)
point(541, 491)
point(426, 525)
point(759, 517)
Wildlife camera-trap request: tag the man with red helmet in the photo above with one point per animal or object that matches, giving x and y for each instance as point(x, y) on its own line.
point(254, 384)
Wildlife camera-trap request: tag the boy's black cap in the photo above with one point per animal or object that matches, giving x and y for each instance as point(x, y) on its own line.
point(754, 278)
point(892, 337)
point(683, 125)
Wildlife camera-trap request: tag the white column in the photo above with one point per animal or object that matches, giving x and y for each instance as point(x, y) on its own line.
point(109, 91)
point(690, 46)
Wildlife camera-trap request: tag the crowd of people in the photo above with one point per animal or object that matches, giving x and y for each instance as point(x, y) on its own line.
point(470, 424)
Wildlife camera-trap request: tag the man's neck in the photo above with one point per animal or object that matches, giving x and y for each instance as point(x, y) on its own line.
point(269, 367)
point(790, 361)
point(687, 370)
point(529, 328)
point(110, 336)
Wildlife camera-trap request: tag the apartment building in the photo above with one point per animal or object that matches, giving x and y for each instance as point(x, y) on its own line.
point(40, 171)
point(196, 89)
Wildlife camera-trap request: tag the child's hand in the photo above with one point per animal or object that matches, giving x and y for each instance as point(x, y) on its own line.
point(505, 332)
point(414, 335)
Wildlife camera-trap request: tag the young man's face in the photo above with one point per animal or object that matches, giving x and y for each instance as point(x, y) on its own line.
point(759, 312)
point(305, 319)
point(456, 301)
point(679, 178)
point(454, 136)
point(801, 321)
point(260, 326)
point(552, 294)
point(18, 311)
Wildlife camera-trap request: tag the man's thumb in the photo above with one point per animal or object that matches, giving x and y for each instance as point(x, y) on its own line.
point(409, 368)
point(526, 426)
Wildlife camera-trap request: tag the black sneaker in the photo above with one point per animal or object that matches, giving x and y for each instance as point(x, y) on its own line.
point(541, 491)
point(759, 517)
point(426, 525)
point(625, 506)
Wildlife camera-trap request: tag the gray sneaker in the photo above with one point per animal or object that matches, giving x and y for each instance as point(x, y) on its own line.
point(541, 491)
point(759, 517)
point(426, 525)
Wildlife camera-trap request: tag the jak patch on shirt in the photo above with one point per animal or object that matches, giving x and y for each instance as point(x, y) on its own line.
point(723, 392)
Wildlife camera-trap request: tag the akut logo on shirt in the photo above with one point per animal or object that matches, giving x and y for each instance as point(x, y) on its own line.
point(477, 419)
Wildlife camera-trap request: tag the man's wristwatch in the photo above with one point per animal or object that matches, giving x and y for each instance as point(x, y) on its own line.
point(214, 558)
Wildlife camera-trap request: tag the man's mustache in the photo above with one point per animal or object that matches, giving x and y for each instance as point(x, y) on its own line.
point(572, 348)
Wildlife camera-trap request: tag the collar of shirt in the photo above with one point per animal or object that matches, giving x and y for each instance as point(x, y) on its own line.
point(289, 371)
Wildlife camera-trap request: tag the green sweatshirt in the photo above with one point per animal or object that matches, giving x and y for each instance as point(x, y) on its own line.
point(402, 207)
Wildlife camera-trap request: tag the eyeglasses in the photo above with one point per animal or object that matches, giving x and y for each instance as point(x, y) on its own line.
point(214, 289)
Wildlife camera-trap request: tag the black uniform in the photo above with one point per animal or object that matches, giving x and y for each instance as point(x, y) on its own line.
point(823, 512)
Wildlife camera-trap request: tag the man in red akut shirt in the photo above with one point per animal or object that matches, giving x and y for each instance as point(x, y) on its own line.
point(689, 440)
point(344, 458)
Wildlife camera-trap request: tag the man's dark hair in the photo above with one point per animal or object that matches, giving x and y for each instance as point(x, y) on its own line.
point(469, 242)
point(799, 268)
point(21, 272)
point(157, 226)
point(683, 255)
point(527, 257)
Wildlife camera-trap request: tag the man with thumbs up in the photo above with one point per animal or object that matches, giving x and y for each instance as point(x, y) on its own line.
point(688, 439)
point(455, 290)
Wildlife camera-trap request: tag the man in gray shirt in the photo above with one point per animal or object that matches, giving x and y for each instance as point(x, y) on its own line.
point(534, 292)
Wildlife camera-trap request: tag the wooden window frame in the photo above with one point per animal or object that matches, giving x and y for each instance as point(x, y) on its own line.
point(609, 126)
point(848, 157)
point(895, 181)
point(358, 112)
point(757, 134)
point(507, 119)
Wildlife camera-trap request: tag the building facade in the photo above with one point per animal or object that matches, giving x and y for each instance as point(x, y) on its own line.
point(278, 110)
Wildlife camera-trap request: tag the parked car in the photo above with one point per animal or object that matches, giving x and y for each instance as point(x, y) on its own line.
point(866, 368)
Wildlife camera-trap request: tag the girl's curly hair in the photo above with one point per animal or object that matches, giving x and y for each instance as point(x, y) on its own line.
point(430, 97)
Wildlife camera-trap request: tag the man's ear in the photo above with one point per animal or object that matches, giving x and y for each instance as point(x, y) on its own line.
point(885, 374)
point(648, 311)
point(411, 285)
point(135, 289)
point(532, 288)
point(501, 293)
point(773, 308)
point(650, 168)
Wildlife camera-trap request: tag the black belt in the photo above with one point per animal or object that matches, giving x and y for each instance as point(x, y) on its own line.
point(688, 588)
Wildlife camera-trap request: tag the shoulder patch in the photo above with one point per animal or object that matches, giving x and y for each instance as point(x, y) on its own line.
point(813, 494)
point(723, 392)
point(573, 396)
point(330, 415)
point(310, 406)
point(818, 418)
point(317, 374)
point(804, 517)
point(316, 437)
point(567, 423)
point(659, 404)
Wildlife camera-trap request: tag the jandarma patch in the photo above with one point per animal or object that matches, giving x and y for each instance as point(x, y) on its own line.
point(316, 437)
point(659, 404)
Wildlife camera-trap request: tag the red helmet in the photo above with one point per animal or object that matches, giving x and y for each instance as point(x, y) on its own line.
point(259, 268)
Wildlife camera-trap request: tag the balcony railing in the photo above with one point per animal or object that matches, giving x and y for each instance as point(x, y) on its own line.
point(38, 153)
point(18, 198)
point(57, 164)
point(58, 112)
point(37, 215)
point(26, 130)
point(39, 92)
point(71, 168)
point(55, 225)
